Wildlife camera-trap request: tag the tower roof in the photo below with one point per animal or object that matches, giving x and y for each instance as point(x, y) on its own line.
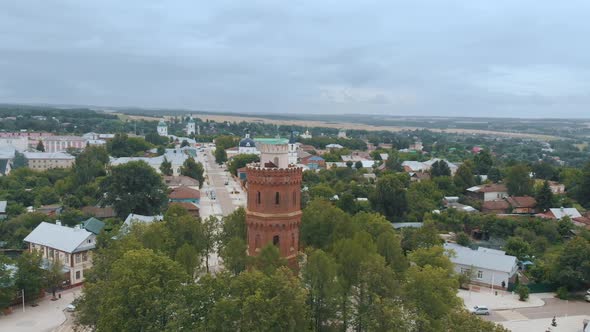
point(162, 123)
point(191, 120)
point(247, 143)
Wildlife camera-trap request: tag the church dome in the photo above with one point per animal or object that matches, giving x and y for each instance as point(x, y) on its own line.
point(247, 143)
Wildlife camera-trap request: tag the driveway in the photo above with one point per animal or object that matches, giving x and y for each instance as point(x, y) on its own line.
point(47, 316)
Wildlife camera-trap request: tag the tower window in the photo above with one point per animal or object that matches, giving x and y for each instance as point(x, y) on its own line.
point(258, 197)
point(276, 240)
point(257, 241)
point(294, 198)
point(277, 198)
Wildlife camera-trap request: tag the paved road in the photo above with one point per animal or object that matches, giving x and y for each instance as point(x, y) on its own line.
point(553, 307)
point(216, 176)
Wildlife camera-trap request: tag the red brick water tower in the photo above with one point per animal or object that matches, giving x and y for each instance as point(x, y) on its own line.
point(273, 212)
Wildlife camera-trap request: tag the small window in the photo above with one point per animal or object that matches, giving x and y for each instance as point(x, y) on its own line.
point(77, 275)
point(479, 274)
point(277, 198)
point(276, 240)
point(294, 198)
point(258, 198)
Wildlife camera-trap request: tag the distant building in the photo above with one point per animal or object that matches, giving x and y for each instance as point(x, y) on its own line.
point(184, 194)
point(416, 146)
point(334, 146)
point(162, 128)
point(306, 135)
point(191, 208)
point(247, 145)
point(190, 127)
point(93, 225)
point(133, 218)
point(176, 157)
point(41, 161)
point(560, 213)
point(486, 266)
point(3, 213)
point(314, 162)
point(181, 180)
point(293, 148)
point(488, 192)
point(17, 143)
point(63, 143)
point(72, 247)
point(342, 133)
point(522, 204)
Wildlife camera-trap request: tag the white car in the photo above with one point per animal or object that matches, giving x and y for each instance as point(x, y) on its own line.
point(480, 310)
point(71, 307)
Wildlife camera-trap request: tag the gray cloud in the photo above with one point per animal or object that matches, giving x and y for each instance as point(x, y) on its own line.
point(497, 58)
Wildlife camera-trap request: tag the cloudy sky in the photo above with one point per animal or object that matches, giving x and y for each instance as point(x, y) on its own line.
point(473, 58)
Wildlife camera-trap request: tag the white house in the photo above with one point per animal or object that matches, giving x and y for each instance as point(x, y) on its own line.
point(70, 246)
point(487, 266)
point(488, 192)
point(175, 156)
point(3, 210)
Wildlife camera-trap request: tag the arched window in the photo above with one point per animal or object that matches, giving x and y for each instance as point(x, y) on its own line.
point(258, 197)
point(257, 241)
point(277, 198)
point(294, 198)
point(276, 240)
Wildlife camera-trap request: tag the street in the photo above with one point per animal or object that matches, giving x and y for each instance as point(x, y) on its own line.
point(553, 307)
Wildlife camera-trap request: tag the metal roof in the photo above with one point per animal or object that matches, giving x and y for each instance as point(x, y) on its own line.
point(62, 238)
point(485, 259)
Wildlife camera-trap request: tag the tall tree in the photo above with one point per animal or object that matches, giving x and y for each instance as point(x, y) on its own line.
point(209, 226)
point(166, 167)
point(40, 146)
point(389, 197)
point(7, 289)
point(240, 161)
point(494, 175)
point(440, 168)
point(54, 276)
point(518, 181)
point(582, 192)
point(19, 160)
point(464, 178)
point(268, 260)
point(193, 169)
point(389, 246)
point(319, 275)
point(135, 187)
point(90, 164)
point(220, 156)
point(29, 275)
point(544, 197)
point(188, 257)
point(423, 197)
point(234, 255)
point(393, 162)
point(483, 162)
point(137, 294)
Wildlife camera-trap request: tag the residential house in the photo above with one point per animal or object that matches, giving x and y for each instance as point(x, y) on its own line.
point(192, 208)
point(42, 161)
point(133, 219)
point(314, 162)
point(50, 210)
point(488, 192)
point(499, 206)
point(93, 225)
point(452, 166)
point(175, 156)
point(486, 266)
point(419, 176)
point(184, 194)
point(559, 213)
point(414, 166)
point(181, 180)
point(522, 204)
point(557, 188)
point(452, 202)
point(334, 146)
point(99, 212)
point(72, 247)
point(3, 213)
point(63, 143)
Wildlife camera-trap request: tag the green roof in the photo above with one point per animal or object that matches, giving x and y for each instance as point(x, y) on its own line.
point(274, 141)
point(93, 225)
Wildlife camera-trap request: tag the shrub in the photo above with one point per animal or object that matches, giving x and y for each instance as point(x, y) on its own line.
point(523, 292)
point(563, 293)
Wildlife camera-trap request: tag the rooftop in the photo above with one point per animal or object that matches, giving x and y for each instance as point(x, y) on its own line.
point(489, 188)
point(273, 141)
point(93, 225)
point(563, 212)
point(48, 155)
point(487, 259)
point(62, 238)
point(184, 192)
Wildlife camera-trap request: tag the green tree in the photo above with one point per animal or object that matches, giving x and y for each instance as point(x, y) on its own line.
point(220, 156)
point(572, 267)
point(194, 170)
point(433, 293)
point(54, 276)
point(544, 197)
point(166, 167)
point(434, 256)
point(464, 178)
point(135, 187)
point(518, 181)
point(268, 259)
point(543, 170)
point(523, 292)
point(90, 164)
point(233, 225)
point(7, 289)
point(393, 162)
point(389, 197)
point(423, 197)
point(40, 147)
point(389, 246)
point(234, 255)
point(188, 257)
point(461, 320)
point(19, 160)
point(483, 162)
point(210, 226)
point(319, 223)
point(184, 143)
point(29, 275)
point(582, 192)
point(240, 161)
point(516, 246)
point(322, 190)
point(319, 276)
point(136, 295)
point(358, 165)
point(440, 168)
point(463, 239)
point(349, 164)
point(124, 146)
point(494, 175)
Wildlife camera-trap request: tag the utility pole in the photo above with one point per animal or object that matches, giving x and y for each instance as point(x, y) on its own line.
point(23, 295)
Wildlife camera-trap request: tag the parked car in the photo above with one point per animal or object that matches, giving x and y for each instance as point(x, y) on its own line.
point(587, 296)
point(480, 310)
point(71, 307)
